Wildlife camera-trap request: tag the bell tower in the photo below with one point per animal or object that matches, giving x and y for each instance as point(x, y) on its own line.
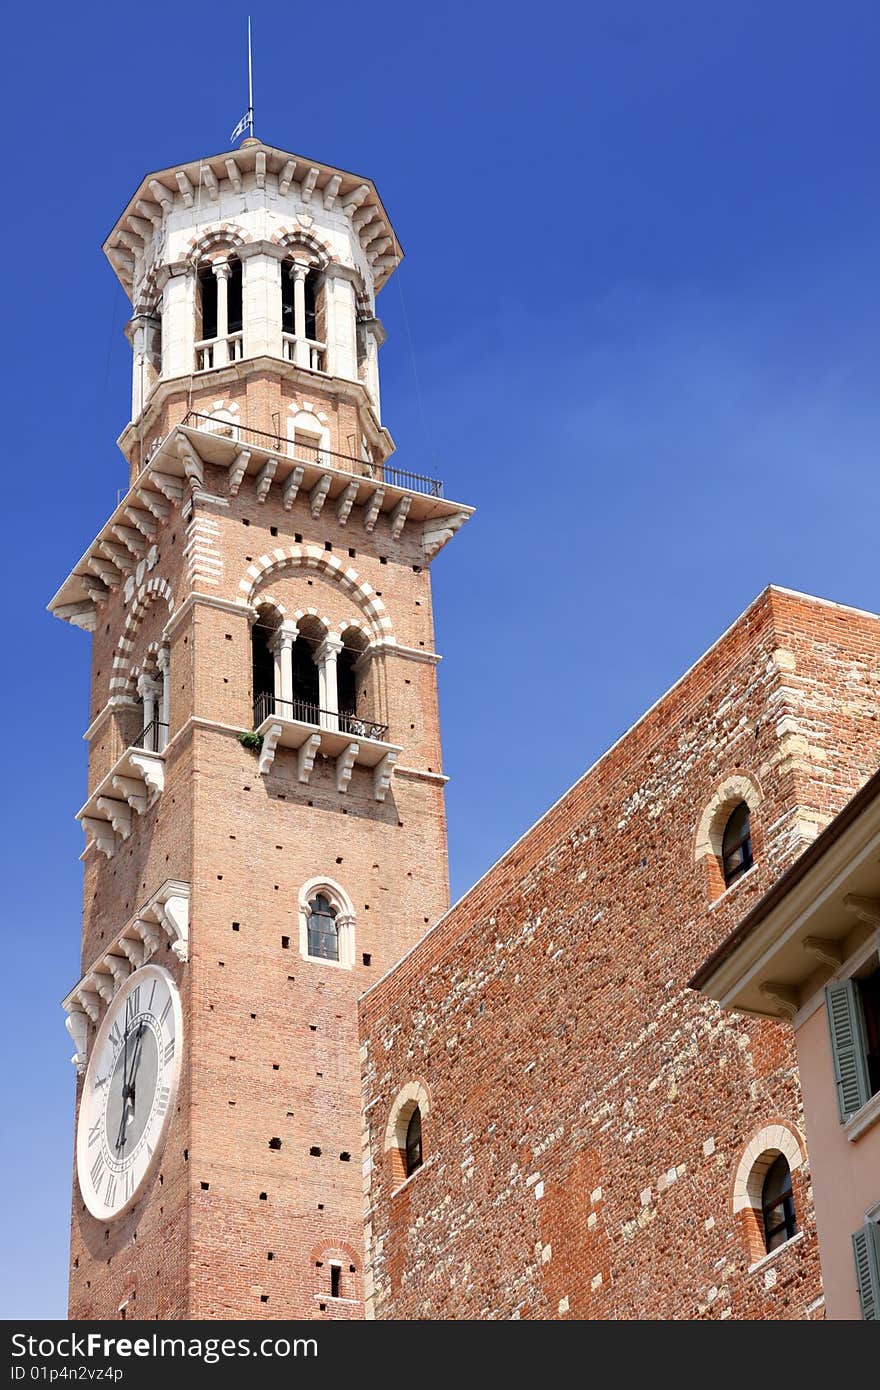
point(264, 824)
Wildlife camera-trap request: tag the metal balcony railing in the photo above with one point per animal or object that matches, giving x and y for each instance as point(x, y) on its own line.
point(342, 721)
point(153, 737)
point(298, 450)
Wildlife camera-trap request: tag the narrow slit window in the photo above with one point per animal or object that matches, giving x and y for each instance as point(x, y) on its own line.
point(736, 846)
point(413, 1152)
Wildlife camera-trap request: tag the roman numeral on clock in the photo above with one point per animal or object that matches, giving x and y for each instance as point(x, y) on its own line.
point(129, 1183)
point(115, 1035)
point(132, 1003)
point(111, 1189)
point(162, 1099)
point(97, 1170)
point(164, 1014)
point(169, 1051)
point(94, 1131)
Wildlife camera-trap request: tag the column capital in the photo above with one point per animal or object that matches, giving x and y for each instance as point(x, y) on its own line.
point(163, 659)
point(299, 270)
point(328, 650)
point(284, 636)
point(222, 270)
point(148, 686)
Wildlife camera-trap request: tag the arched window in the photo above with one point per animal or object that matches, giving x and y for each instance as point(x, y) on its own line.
point(777, 1204)
point(219, 306)
point(323, 931)
point(736, 846)
point(413, 1150)
point(303, 313)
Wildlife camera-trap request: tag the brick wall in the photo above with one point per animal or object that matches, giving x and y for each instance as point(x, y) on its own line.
point(587, 1112)
point(232, 1226)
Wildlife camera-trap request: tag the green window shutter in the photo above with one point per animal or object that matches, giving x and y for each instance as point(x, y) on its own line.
point(866, 1249)
point(847, 1046)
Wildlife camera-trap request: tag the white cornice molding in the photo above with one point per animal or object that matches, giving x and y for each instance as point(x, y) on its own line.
point(383, 648)
point(225, 605)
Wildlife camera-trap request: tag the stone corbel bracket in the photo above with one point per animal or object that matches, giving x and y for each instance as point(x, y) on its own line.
point(436, 534)
point(166, 915)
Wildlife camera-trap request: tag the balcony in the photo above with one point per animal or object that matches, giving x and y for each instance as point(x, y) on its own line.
point(350, 739)
point(305, 352)
point(314, 455)
point(219, 352)
point(131, 787)
point(153, 737)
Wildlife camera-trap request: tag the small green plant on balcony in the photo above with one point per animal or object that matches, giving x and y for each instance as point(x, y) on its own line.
point(251, 740)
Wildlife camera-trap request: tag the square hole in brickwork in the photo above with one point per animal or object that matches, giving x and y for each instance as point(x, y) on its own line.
point(273, 530)
point(417, 569)
point(254, 1015)
point(320, 1206)
point(368, 959)
point(352, 553)
point(338, 859)
point(229, 636)
point(298, 538)
point(328, 545)
point(263, 1197)
point(314, 1151)
point(345, 1157)
point(313, 1027)
point(236, 926)
point(245, 521)
point(264, 1298)
point(275, 1066)
point(275, 1143)
point(204, 1186)
point(322, 1307)
point(383, 560)
point(285, 943)
point(270, 1255)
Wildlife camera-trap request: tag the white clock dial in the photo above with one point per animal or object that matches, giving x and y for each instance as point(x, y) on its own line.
point(129, 1092)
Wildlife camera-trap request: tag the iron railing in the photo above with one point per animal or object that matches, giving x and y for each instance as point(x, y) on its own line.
point(343, 721)
point(153, 737)
point(315, 454)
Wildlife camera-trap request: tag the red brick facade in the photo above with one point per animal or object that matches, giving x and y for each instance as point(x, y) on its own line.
point(585, 1112)
point(271, 1043)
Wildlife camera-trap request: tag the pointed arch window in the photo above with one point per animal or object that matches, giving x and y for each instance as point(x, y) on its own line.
point(736, 845)
point(323, 929)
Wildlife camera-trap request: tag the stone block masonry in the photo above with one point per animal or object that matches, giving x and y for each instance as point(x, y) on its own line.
point(587, 1112)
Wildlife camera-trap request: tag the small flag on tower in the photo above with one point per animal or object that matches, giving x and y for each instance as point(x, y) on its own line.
point(242, 126)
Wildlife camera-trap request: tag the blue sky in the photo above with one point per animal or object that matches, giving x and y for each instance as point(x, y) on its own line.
point(637, 327)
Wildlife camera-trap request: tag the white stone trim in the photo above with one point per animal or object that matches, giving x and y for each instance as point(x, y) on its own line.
point(414, 1094)
point(324, 562)
point(863, 1120)
point(225, 605)
point(165, 913)
point(716, 813)
point(757, 1157)
point(345, 921)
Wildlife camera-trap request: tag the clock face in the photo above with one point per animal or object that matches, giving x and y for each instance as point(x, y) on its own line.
point(129, 1091)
